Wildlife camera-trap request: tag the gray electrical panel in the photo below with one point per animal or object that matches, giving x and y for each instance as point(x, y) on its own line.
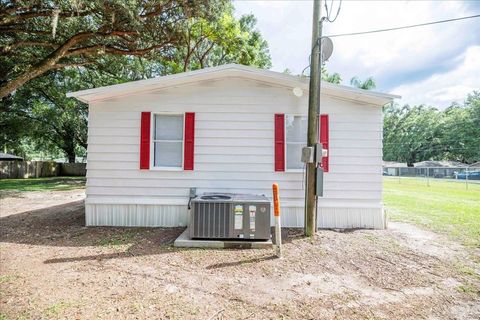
point(319, 185)
point(308, 155)
point(230, 216)
point(320, 153)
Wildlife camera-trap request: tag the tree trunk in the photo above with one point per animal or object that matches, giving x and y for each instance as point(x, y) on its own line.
point(71, 157)
point(69, 143)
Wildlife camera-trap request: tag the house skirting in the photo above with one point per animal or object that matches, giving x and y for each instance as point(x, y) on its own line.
point(152, 215)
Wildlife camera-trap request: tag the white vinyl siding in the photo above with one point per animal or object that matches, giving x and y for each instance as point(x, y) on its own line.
point(295, 140)
point(234, 151)
point(167, 142)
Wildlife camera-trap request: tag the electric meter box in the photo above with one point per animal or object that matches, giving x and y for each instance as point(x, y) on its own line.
point(320, 153)
point(308, 155)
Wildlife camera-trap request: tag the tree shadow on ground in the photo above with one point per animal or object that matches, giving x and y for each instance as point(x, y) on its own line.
point(64, 226)
point(241, 262)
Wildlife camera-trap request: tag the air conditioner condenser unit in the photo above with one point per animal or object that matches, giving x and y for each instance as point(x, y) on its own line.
point(230, 216)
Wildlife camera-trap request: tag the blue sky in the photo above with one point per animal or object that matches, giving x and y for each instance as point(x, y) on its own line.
point(433, 65)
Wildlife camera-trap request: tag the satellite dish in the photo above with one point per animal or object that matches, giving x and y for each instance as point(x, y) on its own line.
point(326, 48)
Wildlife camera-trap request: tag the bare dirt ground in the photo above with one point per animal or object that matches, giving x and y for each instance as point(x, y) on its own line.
point(54, 267)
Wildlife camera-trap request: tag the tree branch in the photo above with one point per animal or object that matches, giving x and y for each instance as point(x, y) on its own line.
point(18, 17)
point(13, 46)
point(46, 64)
point(113, 50)
point(73, 64)
point(18, 30)
point(204, 55)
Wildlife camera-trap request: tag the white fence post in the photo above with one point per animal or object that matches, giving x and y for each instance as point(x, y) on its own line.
point(466, 178)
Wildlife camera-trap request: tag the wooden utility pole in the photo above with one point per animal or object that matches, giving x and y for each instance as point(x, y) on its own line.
point(313, 112)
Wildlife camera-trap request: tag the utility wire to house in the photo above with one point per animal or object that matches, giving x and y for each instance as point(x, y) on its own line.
point(403, 27)
point(329, 11)
point(329, 19)
point(325, 18)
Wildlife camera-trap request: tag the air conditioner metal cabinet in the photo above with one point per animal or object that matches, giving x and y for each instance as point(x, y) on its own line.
point(230, 216)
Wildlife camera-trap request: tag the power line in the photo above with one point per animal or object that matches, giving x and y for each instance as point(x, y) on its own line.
point(325, 18)
point(403, 27)
point(329, 12)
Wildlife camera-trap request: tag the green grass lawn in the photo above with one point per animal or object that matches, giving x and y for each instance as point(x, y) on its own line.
point(42, 184)
point(444, 206)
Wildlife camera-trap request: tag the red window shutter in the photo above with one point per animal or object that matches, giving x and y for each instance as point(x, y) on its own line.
point(324, 139)
point(279, 142)
point(145, 141)
point(189, 145)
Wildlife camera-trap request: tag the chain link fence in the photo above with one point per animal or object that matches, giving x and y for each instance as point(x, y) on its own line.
point(463, 175)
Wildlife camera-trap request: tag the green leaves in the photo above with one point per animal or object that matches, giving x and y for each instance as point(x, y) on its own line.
point(413, 134)
point(99, 43)
point(208, 43)
point(332, 78)
point(40, 36)
point(368, 84)
point(52, 124)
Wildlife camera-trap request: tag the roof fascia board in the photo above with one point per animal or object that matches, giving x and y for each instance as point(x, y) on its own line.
point(231, 70)
point(231, 74)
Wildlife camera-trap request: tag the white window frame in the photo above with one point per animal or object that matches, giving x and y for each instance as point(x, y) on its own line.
point(285, 141)
point(152, 141)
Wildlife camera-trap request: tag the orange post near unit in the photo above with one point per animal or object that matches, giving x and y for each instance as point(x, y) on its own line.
point(278, 226)
point(276, 201)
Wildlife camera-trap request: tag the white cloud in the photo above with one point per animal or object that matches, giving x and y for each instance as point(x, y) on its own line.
point(444, 88)
point(393, 58)
point(286, 26)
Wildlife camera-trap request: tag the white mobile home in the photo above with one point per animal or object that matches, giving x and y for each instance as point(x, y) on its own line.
point(231, 129)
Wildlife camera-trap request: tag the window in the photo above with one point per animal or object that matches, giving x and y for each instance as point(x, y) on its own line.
point(168, 141)
point(295, 140)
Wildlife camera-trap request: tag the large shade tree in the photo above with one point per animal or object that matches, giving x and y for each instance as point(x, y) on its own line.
point(411, 134)
point(209, 43)
point(418, 133)
point(41, 36)
point(49, 122)
point(39, 116)
point(461, 130)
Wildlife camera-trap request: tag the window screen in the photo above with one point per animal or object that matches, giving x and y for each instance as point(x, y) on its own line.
point(168, 141)
point(296, 138)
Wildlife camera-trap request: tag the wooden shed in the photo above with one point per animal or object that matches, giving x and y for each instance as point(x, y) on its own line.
point(233, 129)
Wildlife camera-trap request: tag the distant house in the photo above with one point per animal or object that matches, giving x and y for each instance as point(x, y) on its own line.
point(230, 129)
point(474, 166)
point(440, 164)
point(9, 157)
point(440, 169)
point(429, 168)
point(391, 168)
point(393, 164)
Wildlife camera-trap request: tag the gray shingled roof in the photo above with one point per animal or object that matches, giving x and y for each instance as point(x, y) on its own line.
point(6, 156)
point(475, 165)
point(439, 164)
